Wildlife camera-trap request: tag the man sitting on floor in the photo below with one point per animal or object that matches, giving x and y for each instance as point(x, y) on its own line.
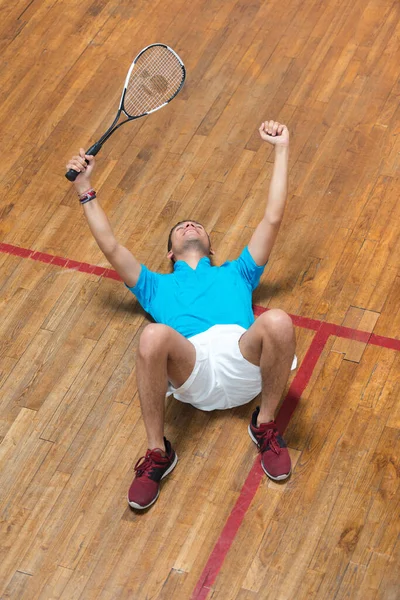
point(205, 346)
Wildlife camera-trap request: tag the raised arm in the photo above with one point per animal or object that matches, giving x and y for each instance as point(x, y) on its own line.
point(265, 234)
point(123, 261)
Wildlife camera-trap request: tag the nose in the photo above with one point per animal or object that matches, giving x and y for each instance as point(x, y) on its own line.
point(189, 225)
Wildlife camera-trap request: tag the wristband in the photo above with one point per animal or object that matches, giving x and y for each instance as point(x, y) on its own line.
point(87, 196)
point(85, 192)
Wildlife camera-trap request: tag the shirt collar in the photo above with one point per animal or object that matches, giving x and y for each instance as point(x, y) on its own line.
point(181, 265)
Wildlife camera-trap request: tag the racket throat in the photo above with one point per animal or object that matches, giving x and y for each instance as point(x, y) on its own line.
point(93, 150)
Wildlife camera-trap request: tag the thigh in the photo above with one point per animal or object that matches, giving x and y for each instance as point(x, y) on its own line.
point(250, 343)
point(276, 327)
point(181, 358)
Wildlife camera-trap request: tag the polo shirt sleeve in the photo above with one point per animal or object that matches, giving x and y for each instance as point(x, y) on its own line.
point(146, 287)
point(248, 269)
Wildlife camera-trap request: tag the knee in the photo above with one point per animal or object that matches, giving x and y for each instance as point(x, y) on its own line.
point(276, 323)
point(153, 340)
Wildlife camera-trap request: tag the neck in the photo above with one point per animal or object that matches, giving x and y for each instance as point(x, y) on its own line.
point(191, 258)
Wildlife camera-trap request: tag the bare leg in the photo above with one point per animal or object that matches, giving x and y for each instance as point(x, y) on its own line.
point(270, 343)
point(163, 355)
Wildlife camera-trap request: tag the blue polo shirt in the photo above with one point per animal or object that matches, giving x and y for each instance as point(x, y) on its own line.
point(193, 300)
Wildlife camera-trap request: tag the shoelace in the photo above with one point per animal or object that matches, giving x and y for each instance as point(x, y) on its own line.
point(145, 463)
point(269, 437)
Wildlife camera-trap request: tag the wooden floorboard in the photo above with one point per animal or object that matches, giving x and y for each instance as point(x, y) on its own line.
point(70, 424)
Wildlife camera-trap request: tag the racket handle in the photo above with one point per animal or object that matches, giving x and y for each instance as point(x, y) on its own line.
point(71, 175)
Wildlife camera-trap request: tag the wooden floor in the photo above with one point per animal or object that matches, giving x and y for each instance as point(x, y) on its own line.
point(70, 425)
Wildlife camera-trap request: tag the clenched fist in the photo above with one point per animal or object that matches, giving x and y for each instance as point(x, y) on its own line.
point(84, 165)
point(275, 133)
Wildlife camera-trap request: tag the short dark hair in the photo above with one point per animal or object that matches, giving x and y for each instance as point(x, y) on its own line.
point(180, 223)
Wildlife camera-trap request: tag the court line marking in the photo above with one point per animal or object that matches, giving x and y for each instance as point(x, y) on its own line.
point(323, 332)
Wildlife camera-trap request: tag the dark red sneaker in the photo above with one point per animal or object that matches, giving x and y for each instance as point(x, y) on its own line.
point(275, 459)
point(150, 469)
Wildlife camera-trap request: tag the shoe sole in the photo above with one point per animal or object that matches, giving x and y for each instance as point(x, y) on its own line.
point(280, 477)
point(138, 506)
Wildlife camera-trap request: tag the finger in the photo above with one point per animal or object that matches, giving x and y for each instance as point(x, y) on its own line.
point(275, 128)
point(75, 160)
point(82, 152)
point(263, 131)
point(80, 160)
point(76, 165)
point(270, 127)
point(280, 129)
point(89, 158)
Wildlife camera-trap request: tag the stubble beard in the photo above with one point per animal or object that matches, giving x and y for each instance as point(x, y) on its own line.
point(196, 245)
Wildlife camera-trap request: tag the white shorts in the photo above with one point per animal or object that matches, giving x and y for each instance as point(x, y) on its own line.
point(222, 377)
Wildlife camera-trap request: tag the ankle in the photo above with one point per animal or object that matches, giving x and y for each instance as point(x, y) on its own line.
point(263, 418)
point(158, 447)
point(160, 452)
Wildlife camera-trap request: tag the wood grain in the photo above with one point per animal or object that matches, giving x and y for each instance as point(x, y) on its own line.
point(70, 423)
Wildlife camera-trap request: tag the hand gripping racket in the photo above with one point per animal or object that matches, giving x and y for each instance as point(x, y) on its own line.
point(154, 78)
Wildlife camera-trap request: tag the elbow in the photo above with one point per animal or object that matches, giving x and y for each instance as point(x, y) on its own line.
point(109, 248)
point(274, 220)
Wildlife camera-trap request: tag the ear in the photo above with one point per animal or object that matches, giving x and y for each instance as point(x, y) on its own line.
point(212, 253)
point(170, 255)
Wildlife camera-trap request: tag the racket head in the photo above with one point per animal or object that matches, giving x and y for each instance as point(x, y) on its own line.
point(155, 77)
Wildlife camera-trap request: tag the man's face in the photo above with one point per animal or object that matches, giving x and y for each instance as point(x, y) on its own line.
point(189, 236)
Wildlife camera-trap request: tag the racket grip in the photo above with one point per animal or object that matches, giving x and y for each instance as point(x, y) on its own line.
point(71, 175)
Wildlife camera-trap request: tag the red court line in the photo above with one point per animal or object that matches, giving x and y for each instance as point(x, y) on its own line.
point(304, 322)
point(384, 342)
point(229, 532)
point(340, 331)
point(59, 261)
point(302, 378)
point(16, 250)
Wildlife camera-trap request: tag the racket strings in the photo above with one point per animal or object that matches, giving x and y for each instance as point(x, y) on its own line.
point(155, 79)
